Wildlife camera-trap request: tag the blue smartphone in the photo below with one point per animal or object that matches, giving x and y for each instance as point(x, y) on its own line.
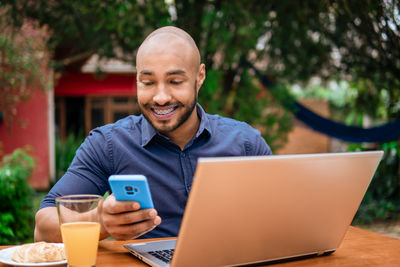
point(131, 188)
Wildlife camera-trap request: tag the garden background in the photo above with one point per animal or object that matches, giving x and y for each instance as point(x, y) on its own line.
point(342, 52)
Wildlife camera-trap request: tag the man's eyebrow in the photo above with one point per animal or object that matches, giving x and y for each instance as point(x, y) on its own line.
point(169, 73)
point(146, 72)
point(175, 72)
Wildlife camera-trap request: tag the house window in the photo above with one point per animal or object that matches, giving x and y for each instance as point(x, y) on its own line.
point(101, 110)
point(74, 114)
point(69, 116)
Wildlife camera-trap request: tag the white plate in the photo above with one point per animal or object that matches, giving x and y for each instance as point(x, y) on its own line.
point(5, 257)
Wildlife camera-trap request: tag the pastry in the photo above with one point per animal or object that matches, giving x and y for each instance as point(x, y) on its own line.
point(39, 252)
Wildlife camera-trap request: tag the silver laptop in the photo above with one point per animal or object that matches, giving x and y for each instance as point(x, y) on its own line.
point(246, 210)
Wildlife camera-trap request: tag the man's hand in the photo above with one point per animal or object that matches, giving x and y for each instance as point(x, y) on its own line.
point(125, 220)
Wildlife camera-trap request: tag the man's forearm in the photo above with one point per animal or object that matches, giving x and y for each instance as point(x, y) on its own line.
point(47, 226)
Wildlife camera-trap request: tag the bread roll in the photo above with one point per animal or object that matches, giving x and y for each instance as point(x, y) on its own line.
point(39, 252)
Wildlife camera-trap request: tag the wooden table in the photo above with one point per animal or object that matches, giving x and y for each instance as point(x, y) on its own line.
point(359, 248)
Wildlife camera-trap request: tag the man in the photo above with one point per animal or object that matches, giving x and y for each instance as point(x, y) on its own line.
point(163, 144)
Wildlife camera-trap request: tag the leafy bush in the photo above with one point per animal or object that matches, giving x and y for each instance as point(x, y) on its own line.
point(16, 216)
point(65, 152)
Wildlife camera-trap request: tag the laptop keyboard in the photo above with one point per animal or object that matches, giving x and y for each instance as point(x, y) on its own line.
point(164, 255)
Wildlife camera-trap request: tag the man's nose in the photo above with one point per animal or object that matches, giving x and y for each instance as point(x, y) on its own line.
point(162, 95)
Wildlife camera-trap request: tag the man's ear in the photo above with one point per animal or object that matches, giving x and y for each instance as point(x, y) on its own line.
point(201, 76)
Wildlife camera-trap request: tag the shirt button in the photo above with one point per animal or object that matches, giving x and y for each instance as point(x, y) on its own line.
point(183, 155)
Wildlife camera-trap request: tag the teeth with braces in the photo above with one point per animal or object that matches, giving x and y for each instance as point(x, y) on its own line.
point(163, 112)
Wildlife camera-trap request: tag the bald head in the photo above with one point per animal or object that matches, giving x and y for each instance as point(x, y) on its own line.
point(173, 31)
point(170, 37)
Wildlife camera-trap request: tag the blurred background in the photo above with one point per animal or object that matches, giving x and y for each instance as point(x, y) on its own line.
point(313, 76)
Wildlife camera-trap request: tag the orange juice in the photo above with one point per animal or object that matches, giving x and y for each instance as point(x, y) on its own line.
point(81, 240)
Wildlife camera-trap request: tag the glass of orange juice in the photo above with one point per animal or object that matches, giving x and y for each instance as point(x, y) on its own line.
point(80, 228)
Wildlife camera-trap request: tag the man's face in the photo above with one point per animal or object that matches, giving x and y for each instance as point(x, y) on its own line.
point(167, 86)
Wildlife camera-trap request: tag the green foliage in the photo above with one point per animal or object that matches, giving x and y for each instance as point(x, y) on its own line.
point(248, 101)
point(382, 200)
point(348, 100)
point(83, 28)
point(16, 216)
point(340, 39)
point(65, 152)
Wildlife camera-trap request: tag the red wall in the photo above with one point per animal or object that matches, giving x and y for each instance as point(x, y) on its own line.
point(31, 128)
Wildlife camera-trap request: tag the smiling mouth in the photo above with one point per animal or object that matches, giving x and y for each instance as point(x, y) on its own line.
point(164, 112)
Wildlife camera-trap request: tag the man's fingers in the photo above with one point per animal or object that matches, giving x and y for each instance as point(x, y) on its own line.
point(125, 219)
point(133, 217)
point(112, 206)
point(131, 231)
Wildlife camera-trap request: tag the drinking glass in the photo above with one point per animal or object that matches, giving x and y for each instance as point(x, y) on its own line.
point(80, 228)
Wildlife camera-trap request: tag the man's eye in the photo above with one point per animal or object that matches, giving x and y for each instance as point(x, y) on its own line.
point(147, 82)
point(176, 81)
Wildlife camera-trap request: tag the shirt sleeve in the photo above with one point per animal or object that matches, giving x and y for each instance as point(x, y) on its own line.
point(89, 170)
point(261, 147)
point(255, 144)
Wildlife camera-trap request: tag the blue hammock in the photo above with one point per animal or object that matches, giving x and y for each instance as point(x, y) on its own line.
point(379, 134)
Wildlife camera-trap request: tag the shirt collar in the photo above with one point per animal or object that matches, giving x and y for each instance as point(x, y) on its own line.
point(148, 131)
point(204, 122)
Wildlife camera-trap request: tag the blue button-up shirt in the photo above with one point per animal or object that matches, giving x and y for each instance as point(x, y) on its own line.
point(133, 146)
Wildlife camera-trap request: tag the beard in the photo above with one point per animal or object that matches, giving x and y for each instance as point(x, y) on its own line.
point(188, 109)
